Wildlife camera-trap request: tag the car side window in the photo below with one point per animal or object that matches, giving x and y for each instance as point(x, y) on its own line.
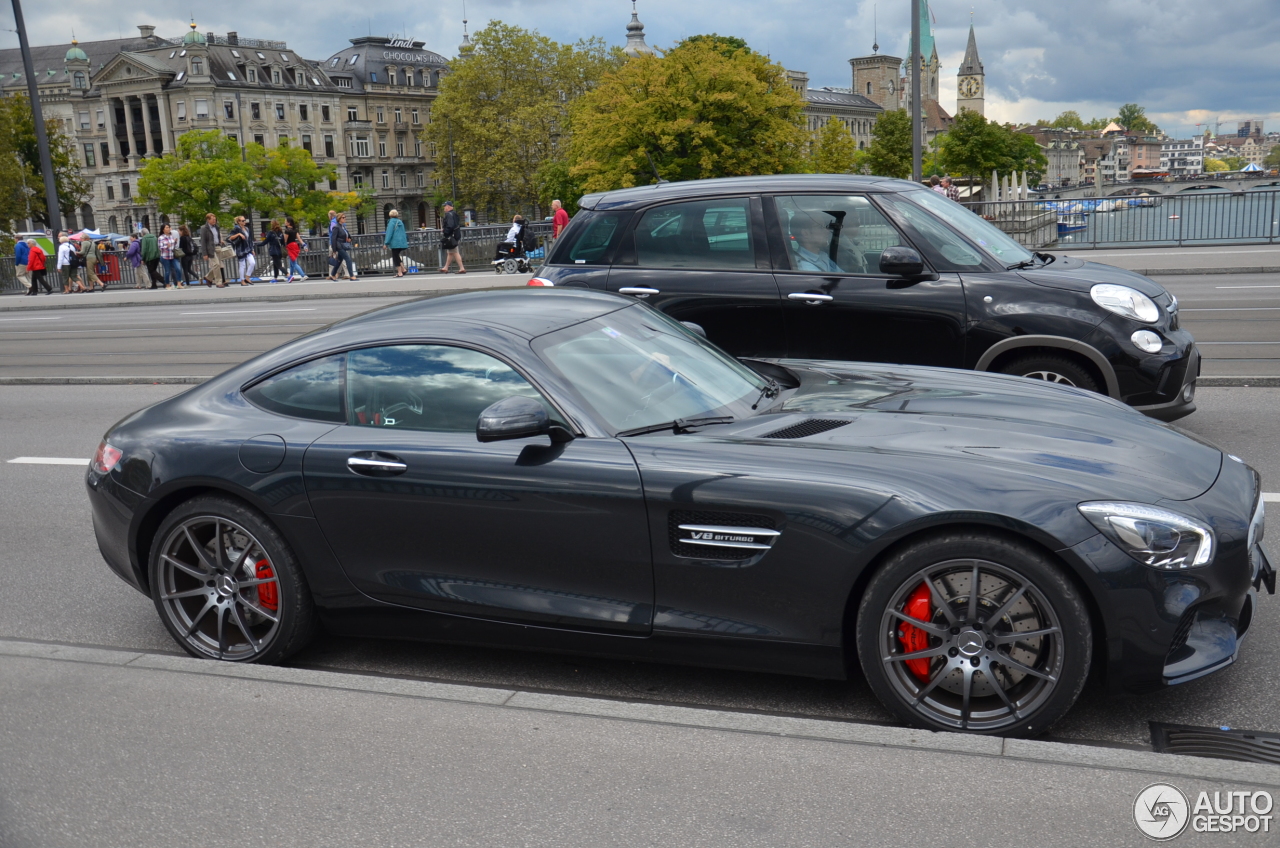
point(312, 390)
point(428, 387)
point(589, 238)
point(830, 234)
point(704, 234)
point(945, 249)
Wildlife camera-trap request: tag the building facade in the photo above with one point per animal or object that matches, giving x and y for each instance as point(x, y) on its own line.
point(1182, 157)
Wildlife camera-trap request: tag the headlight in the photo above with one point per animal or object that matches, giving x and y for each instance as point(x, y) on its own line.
point(1151, 535)
point(1146, 341)
point(1125, 301)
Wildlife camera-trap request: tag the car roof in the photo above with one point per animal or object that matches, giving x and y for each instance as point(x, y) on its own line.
point(644, 195)
point(528, 312)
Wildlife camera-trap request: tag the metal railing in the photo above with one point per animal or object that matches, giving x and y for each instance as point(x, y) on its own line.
point(1156, 220)
point(424, 256)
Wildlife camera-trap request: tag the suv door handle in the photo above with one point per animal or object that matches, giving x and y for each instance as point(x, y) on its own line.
point(638, 291)
point(376, 465)
point(810, 297)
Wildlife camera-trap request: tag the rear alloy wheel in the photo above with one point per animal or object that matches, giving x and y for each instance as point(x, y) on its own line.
point(974, 633)
point(226, 584)
point(1052, 369)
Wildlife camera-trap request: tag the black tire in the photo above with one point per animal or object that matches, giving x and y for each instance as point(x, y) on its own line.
point(1054, 369)
point(244, 600)
point(1027, 682)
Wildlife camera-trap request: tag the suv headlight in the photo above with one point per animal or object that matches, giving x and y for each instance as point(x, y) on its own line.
point(1153, 536)
point(1125, 301)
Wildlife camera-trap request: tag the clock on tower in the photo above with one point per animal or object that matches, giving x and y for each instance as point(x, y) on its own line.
point(970, 88)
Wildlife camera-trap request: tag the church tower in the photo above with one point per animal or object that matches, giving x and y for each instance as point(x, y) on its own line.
point(635, 36)
point(970, 85)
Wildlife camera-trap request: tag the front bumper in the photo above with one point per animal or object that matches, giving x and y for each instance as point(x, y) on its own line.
point(1184, 402)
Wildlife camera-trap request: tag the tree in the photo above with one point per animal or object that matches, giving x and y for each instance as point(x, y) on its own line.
point(20, 168)
point(975, 147)
point(503, 111)
point(1214, 165)
point(726, 45)
point(833, 151)
point(696, 111)
point(1234, 163)
point(1069, 119)
point(1273, 158)
point(1134, 119)
point(556, 183)
point(890, 152)
point(285, 181)
point(204, 174)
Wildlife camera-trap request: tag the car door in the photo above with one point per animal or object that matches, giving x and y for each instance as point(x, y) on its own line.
point(420, 513)
point(706, 261)
point(826, 252)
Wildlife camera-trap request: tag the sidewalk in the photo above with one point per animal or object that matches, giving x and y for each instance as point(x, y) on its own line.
point(108, 747)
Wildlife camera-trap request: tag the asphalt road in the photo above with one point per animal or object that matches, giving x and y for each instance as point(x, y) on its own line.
point(1235, 318)
point(55, 587)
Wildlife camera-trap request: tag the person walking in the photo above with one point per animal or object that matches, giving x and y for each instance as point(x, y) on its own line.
point(451, 239)
point(273, 239)
point(293, 245)
point(168, 243)
point(151, 257)
point(397, 240)
point(559, 220)
point(951, 190)
point(67, 265)
point(187, 249)
point(21, 250)
point(134, 254)
point(340, 242)
point(36, 259)
point(90, 258)
point(242, 242)
point(213, 249)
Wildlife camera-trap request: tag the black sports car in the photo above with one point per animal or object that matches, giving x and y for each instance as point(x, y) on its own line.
point(570, 470)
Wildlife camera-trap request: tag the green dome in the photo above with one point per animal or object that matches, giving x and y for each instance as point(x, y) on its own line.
point(75, 54)
point(193, 37)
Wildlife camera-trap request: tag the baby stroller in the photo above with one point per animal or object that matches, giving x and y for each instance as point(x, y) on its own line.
point(514, 258)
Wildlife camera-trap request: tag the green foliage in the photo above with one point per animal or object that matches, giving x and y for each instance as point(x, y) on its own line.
point(1134, 119)
point(1214, 165)
point(833, 151)
point(975, 147)
point(504, 108)
point(285, 182)
point(890, 152)
point(204, 174)
point(20, 165)
point(1234, 163)
point(726, 45)
point(698, 112)
point(1273, 158)
point(556, 183)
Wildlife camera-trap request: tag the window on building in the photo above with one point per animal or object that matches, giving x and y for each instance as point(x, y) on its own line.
point(413, 115)
point(182, 110)
point(197, 67)
point(417, 147)
point(382, 149)
point(404, 180)
point(328, 146)
point(105, 148)
point(324, 114)
point(234, 137)
point(229, 109)
point(84, 120)
point(357, 180)
point(231, 76)
point(342, 82)
point(333, 185)
point(282, 140)
point(111, 191)
point(255, 111)
point(360, 146)
point(352, 114)
point(400, 148)
point(422, 179)
point(386, 178)
point(124, 189)
point(252, 74)
point(433, 151)
point(373, 76)
point(398, 119)
point(275, 75)
point(279, 111)
point(299, 78)
point(102, 119)
point(303, 111)
point(260, 139)
point(89, 158)
point(306, 143)
point(78, 80)
point(381, 117)
point(202, 108)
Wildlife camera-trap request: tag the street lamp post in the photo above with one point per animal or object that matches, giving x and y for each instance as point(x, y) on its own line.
point(42, 139)
point(917, 140)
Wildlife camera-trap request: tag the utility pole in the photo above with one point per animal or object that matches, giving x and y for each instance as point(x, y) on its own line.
point(917, 140)
point(42, 139)
point(453, 172)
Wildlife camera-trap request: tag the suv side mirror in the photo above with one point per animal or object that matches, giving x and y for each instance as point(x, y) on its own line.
point(517, 417)
point(901, 262)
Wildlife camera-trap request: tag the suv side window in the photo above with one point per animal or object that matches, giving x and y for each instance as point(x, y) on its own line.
point(830, 234)
point(703, 234)
point(944, 249)
point(312, 390)
point(589, 238)
point(428, 387)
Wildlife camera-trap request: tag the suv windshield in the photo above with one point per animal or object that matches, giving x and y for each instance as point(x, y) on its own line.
point(637, 368)
point(985, 235)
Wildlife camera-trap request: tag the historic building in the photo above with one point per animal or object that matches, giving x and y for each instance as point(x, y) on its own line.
point(971, 80)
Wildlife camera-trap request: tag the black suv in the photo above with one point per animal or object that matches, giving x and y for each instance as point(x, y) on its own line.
point(877, 270)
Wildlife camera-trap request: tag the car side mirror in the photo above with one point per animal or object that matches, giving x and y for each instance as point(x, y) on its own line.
point(901, 262)
point(697, 328)
point(517, 417)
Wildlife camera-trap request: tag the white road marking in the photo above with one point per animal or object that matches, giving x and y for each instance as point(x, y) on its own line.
point(1175, 252)
point(1271, 497)
point(36, 318)
point(1247, 287)
point(247, 311)
point(48, 460)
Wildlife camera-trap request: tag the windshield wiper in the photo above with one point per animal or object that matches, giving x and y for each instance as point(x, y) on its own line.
point(680, 425)
point(769, 391)
point(1036, 258)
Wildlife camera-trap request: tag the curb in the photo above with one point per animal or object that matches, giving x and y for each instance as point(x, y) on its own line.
point(1238, 382)
point(825, 730)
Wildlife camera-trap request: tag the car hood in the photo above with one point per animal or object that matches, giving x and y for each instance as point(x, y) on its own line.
point(1063, 435)
point(1068, 272)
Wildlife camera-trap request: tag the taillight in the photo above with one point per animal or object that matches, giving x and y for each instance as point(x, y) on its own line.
point(105, 458)
point(539, 281)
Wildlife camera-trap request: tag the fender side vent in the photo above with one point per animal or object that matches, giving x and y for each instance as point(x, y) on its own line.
point(1223, 743)
point(675, 533)
point(812, 427)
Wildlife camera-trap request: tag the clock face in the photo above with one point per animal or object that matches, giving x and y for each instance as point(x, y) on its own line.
point(969, 87)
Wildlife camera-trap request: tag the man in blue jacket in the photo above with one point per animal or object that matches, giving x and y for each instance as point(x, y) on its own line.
point(21, 251)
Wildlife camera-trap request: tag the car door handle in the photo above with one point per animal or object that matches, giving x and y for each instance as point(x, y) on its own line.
point(638, 291)
point(810, 297)
point(376, 465)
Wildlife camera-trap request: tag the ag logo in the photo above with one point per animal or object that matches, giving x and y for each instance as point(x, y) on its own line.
point(1161, 811)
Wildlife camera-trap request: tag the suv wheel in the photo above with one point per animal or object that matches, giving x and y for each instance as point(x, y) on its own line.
point(1052, 369)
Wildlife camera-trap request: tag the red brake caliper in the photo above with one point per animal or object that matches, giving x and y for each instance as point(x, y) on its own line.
point(269, 597)
point(913, 638)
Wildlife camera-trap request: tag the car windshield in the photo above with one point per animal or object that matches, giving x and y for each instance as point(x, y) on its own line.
point(984, 234)
point(638, 368)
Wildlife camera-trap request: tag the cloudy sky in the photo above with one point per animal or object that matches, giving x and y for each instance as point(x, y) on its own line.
point(1188, 62)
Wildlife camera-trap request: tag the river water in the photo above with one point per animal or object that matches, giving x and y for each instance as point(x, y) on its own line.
point(1202, 217)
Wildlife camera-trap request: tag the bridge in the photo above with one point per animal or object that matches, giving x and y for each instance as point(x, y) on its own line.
point(1206, 183)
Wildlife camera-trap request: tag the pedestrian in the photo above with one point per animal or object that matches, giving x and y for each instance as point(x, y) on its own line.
point(293, 245)
point(273, 239)
point(241, 240)
point(340, 244)
point(67, 265)
point(951, 190)
point(396, 239)
point(186, 254)
point(168, 244)
point(20, 252)
point(134, 254)
point(559, 220)
point(90, 258)
point(450, 239)
point(36, 259)
point(214, 250)
point(151, 257)
point(936, 184)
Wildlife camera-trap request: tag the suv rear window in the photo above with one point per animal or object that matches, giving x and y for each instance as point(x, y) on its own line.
point(589, 238)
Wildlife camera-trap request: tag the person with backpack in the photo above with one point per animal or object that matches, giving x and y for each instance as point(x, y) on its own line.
point(396, 239)
point(90, 258)
point(186, 254)
point(450, 239)
point(67, 266)
point(21, 250)
point(274, 239)
point(242, 241)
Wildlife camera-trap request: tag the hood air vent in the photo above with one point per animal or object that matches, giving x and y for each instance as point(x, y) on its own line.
point(1224, 743)
point(811, 427)
point(719, 535)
